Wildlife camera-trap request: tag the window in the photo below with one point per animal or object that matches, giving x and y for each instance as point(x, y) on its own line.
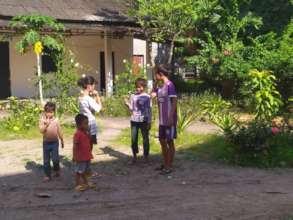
point(48, 63)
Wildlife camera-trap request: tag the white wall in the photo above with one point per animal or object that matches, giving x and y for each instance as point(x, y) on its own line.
point(22, 72)
point(139, 48)
point(87, 51)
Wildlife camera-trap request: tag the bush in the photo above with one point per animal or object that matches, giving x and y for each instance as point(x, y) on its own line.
point(23, 115)
point(125, 82)
point(188, 86)
point(63, 84)
point(114, 106)
point(265, 97)
point(253, 137)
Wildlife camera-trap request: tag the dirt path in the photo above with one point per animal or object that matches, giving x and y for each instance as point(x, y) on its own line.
point(196, 190)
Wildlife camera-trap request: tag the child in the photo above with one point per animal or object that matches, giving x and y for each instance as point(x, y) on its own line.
point(140, 106)
point(82, 154)
point(89, 103)
point(167, 102)
point(50, 128)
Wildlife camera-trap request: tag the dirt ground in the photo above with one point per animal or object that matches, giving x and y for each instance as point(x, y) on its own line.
point(195, 190)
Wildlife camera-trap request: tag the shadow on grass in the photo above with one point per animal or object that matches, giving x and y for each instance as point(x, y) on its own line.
point(114, 153)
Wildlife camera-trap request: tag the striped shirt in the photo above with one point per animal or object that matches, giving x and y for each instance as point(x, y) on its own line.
point(141, 108)
point(164, 95)
point(88, 106)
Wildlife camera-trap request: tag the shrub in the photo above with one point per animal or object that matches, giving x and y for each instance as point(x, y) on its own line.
point(23, 115)
point(185, 118)
point(253, 137)
point(62, 84)
point(114, 107)
point(125, 81)
point(266, 98)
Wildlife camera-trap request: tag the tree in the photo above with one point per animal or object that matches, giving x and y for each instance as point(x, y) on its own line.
point(166, 20)
point(221, 42)
point(38, 32)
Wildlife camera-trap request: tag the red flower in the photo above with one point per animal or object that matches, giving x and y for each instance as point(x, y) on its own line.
point(275, 130)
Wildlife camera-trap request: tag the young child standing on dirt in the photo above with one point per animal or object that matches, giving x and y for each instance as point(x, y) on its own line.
point(167, 103)
point(82, 153)
point(89, 103)
point(141, 118)
point(50, 128)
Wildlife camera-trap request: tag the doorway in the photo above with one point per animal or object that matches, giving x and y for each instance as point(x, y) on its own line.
point(5, 90)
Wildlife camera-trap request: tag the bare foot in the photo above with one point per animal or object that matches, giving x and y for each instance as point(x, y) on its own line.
point(46, 179)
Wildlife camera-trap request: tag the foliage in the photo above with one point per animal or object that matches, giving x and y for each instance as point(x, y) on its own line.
point(267, 100)
point(165, 20)
point(226, 122)
point(23, 115)
point(114, 106)
point(36, 28)
point(225, 49)
point(189, 86)
point(32, 133)
point(62, 84)
point(253, 137)
point(185, 117)
point(37, 31)
point(125, 81)
point(222, 42)
point(218, 111)
point(215, 106)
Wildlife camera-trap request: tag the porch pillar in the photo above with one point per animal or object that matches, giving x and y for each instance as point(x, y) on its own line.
point(108, 64)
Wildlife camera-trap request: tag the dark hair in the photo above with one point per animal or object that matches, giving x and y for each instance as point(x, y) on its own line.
point(79, 119)
point(83, 82)
point(50, 107)
point(164, 69)
point(140, 82)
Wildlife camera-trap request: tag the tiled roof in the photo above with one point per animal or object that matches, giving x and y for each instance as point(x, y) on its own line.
point(89, 11)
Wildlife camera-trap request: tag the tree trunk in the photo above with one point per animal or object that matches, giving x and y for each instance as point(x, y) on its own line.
point(150, 64)
point(171, 52)
point(39, 69)
point(149, 50)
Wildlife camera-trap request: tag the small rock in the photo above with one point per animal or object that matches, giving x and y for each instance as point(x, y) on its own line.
point(44, 195)
point(169, 177)
point(183, 183)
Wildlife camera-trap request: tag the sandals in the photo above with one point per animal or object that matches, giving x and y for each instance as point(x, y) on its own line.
point(84, 187)
point(46, 179)
point(92, 174)
point(166, 171)
point(91, 185)
point(81, 188)
point(160, 168)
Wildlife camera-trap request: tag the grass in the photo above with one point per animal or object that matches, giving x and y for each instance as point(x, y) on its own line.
point(31, 134)
point(214, 147)
point(188, 145)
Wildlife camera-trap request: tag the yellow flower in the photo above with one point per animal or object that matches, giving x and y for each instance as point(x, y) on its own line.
point(15, 128)
point(38, 47)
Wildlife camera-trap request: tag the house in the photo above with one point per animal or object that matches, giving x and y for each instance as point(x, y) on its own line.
point(98, 32)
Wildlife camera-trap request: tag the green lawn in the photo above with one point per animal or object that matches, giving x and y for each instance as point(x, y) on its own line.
point(214, 147)
point(30, 134)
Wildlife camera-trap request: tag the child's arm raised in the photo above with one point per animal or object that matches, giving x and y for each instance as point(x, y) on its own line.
point(95, 94)
point(95, 103)
point(43, 125)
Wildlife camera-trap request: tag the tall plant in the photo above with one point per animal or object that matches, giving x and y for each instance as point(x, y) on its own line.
point(267, 99)
point(125, 81)
point(38, 31)
point(62, 84)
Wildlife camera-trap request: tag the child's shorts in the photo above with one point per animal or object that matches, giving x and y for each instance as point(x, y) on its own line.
point(167, 133)
point(94, 139)
point(81, 167)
